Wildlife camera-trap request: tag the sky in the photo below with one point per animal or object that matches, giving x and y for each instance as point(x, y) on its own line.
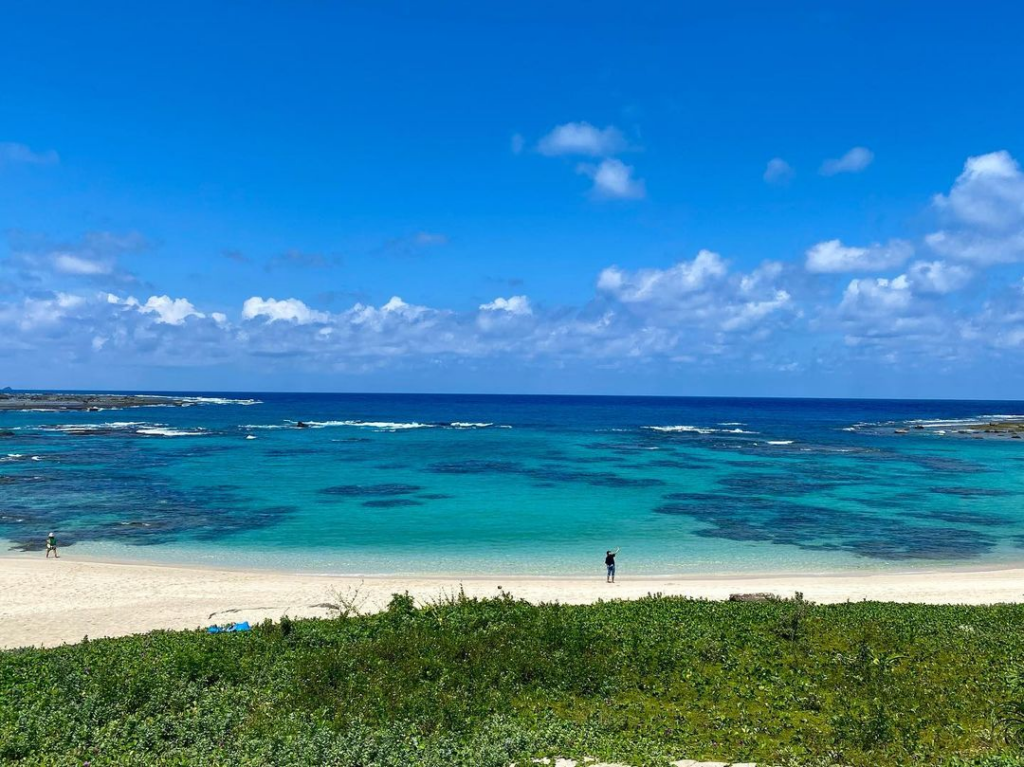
point(730, 198)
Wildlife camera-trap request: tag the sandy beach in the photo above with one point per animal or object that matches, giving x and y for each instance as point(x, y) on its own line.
point(49, 602)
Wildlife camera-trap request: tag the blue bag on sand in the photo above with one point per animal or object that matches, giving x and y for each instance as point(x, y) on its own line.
point(228, 628)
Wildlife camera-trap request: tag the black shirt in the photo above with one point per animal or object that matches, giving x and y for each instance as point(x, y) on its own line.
point(610, 559)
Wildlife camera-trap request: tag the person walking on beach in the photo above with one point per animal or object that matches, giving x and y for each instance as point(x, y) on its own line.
point(609, 561)
point(51, 545)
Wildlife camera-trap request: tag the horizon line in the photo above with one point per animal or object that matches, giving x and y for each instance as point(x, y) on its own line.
point(187, 392)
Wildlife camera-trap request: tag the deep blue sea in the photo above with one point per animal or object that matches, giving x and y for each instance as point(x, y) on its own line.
point(520, 485)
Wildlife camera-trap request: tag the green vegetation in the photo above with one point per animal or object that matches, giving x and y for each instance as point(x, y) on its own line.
point(483, 683)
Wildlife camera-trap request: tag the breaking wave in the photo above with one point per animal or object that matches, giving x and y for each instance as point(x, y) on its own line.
point(142, 428)
point(383, 426)
point(685, 429)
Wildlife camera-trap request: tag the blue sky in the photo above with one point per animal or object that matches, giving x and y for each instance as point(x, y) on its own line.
point(728, 198)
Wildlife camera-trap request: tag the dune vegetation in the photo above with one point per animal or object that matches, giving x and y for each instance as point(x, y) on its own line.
point(489, 682)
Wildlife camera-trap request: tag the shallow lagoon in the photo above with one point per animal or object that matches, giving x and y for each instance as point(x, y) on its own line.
point(524, 485)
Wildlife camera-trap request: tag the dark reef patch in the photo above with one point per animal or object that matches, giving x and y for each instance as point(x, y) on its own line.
point(390, 503)
point(130, 508)
point(817, 528)
point(124, 490)
point(475, 466)
point(751, 464)
point(932, 463)
point(357, 491)
point(593, 459)
point(677, 463)
point(552, 474)
point(434, 496)
point(971, 492)
point(773, 484)
point(979, 519)
point(693, 497)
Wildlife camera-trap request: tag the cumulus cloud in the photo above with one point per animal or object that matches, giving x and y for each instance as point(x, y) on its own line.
point(983, 212)
point(989, 192)
point(854, 161)
point(582, 138)
point(778, 171)
point(876, 296)
point(695, 302)
point(517, 143)
point(663, 285)
point(938, 277)
point(613, 180)
point(511, 305)
point(12, 153)
point(884, 322)
point(170, 311)
point(36, 312)
point(286, 310)
point(832, 257)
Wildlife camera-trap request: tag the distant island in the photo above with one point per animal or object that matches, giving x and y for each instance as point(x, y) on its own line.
point(90, 402)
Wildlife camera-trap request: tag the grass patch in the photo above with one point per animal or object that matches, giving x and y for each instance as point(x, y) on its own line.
point(487, 682)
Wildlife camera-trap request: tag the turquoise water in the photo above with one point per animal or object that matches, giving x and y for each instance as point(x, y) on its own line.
point(519, 485)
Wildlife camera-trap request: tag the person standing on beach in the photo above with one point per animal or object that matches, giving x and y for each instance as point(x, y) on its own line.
point(51, 545)
point(609, 561)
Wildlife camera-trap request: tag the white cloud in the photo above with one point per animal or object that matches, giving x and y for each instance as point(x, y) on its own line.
point(582, 138)
point(978, 248)
point(519, 305)
point(984, 212)
point(14, 153)
point(70, 263)
point(517, 143)
point(989, 192)
point(778, 171)
point(95, 256)
point(750, 313)
point(693, 302)
point(832, 257)
point(877, 295)
point(854, 161)
point(663, 285)
point(937, 277)
point(170, 311)
point(288, 309)
point(613, 180)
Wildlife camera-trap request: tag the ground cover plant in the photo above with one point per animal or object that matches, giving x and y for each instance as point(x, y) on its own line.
point(488, 682)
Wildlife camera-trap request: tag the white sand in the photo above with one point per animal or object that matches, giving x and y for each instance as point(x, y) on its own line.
point(50, 602)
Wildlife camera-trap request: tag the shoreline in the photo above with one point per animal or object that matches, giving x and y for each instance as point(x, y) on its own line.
point(873, 568)
point(52, 602)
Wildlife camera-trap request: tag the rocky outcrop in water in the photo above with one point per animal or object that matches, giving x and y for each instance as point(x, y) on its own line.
point(87, 402)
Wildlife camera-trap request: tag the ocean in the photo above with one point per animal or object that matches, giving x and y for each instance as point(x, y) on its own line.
point(518, 485)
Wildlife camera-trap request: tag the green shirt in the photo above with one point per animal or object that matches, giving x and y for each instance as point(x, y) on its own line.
point(51, 542)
